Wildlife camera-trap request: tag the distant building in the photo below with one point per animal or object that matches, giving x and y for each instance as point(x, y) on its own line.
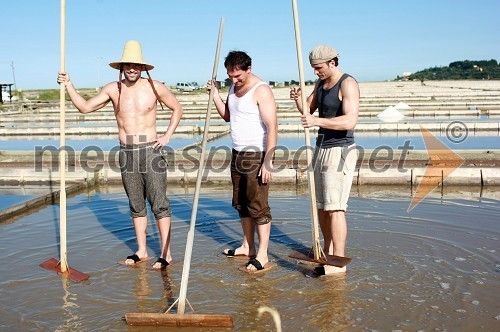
point(6, 92)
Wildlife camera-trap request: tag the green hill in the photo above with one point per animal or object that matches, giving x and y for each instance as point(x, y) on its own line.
point(460, 70)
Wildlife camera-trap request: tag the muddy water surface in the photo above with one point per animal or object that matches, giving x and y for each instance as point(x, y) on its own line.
point(434, 268)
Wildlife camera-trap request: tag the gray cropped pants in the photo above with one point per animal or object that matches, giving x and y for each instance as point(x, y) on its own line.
point(144, 176)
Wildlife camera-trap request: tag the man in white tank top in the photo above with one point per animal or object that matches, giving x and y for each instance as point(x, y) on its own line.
point(251, 110)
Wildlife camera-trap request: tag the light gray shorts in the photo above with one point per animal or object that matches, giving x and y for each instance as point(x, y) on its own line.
point(333, 173)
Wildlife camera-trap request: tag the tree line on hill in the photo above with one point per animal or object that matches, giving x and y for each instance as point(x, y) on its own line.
point(459, 70)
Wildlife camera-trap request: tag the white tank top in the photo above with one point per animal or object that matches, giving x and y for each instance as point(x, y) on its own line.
point(248, 131)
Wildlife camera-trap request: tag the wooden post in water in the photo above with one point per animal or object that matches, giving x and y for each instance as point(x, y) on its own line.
point(61, 266)
point(62, 149)
point(310, 170)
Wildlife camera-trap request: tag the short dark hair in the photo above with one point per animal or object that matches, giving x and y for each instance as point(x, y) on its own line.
point(335, 61)
point(237, 60)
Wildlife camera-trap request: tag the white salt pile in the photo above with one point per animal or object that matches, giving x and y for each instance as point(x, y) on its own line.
point(390, 113)
point(402, 106)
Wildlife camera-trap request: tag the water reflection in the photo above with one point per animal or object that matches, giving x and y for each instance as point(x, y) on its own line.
point(328, 306)
point(71, 320)
point(145, 286)
point(142, 290)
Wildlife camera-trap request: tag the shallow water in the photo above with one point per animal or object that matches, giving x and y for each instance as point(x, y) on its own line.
point(11, 200)
point(105, 143)
point(14, 195)
point(465, 139)
point(408, 119)
point(296, 141)
point(434, 268)
point(293, 141)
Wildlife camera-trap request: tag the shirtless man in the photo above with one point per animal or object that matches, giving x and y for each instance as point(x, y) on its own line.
point(142, 164)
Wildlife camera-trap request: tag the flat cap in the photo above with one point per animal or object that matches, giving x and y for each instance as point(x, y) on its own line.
point(321, 54)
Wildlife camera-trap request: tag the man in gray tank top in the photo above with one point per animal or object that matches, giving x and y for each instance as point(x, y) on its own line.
point(336, 97)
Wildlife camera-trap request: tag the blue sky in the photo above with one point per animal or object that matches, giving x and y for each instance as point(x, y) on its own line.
point(377, 40)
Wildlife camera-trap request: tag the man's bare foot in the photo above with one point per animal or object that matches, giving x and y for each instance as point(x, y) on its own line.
point(241, 251)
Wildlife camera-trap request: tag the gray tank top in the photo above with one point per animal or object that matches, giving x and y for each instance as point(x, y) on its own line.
point(330, 106)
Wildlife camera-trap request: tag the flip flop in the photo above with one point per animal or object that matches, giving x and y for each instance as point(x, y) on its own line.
point(319, 271)
point(136, 260)
point(258, 265)
point(232, 253)
point(164, 264)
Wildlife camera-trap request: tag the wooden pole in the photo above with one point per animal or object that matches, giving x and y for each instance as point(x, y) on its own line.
point(61, 266)
point(305, 108)
point(189, 244)
point(62, 152)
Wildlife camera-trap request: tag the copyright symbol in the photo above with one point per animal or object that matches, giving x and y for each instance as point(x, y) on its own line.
point(457, 132)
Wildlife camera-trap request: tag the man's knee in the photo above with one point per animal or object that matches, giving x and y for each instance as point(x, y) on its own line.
point(162, 212)
point(262, 221)
point(333, 214)
point(138, 214)
point(242, 211)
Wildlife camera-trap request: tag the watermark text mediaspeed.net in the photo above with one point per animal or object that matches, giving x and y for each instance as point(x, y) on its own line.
point(441, 163)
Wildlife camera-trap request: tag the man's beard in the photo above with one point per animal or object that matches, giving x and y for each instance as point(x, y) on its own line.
point(133, 77)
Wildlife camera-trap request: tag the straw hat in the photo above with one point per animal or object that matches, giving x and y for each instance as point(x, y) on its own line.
point(132, 53)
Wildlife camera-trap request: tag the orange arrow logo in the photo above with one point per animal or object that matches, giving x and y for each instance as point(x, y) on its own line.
point(442, 162)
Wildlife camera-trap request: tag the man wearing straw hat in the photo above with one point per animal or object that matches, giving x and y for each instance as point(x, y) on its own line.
point(251, 110)
point(336, 97)
point(142, 164)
